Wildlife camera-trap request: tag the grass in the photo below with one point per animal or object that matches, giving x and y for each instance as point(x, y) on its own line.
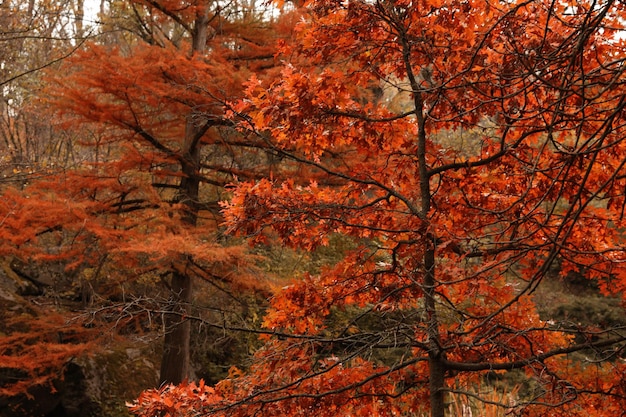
point(490, 403)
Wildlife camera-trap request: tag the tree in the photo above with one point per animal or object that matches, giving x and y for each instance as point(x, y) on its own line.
point(169, 123)
point(155, 155)
point(505, 158)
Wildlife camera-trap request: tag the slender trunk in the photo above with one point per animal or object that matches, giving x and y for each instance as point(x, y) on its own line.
point(437, 369)
point(79, 14)
point(31, 8)
point(175, 361)
point(436, 354)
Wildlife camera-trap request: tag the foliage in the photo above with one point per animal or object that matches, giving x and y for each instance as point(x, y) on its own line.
point(152, 153)
point(35, 347)
point(431, 163)
point(455, 239)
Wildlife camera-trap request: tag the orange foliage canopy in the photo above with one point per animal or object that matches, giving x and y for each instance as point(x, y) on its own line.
point(148, 117)
point(151, 155)
point(35, 347)
point(503, 157)
point(130, 109)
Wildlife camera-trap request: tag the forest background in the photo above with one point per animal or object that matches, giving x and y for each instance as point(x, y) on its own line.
point(320, 208)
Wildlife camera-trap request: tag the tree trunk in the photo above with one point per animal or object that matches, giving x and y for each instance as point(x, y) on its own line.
point(436, 384)
point(175, 361)
point(437, 370)
point(436, 354)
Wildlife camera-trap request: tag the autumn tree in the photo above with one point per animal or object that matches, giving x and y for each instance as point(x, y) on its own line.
point(155, 153)
point(503, 159)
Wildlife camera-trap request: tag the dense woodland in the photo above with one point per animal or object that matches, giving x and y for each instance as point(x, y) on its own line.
point(320, 208)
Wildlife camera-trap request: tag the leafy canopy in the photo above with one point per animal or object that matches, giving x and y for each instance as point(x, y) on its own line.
point(502, 157)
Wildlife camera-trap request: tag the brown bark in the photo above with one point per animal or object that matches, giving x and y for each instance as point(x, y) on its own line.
point(175, 361)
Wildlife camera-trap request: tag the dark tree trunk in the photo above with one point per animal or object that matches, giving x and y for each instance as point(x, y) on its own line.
point(436, 354)
point(175, 361)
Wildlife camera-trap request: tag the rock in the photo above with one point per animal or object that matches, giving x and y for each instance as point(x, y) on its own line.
point(11, 281)
point(98, 385)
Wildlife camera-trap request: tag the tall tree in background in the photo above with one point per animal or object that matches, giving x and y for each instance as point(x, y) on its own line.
point(155, 155)
point(505, 158)
point(161, 105)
